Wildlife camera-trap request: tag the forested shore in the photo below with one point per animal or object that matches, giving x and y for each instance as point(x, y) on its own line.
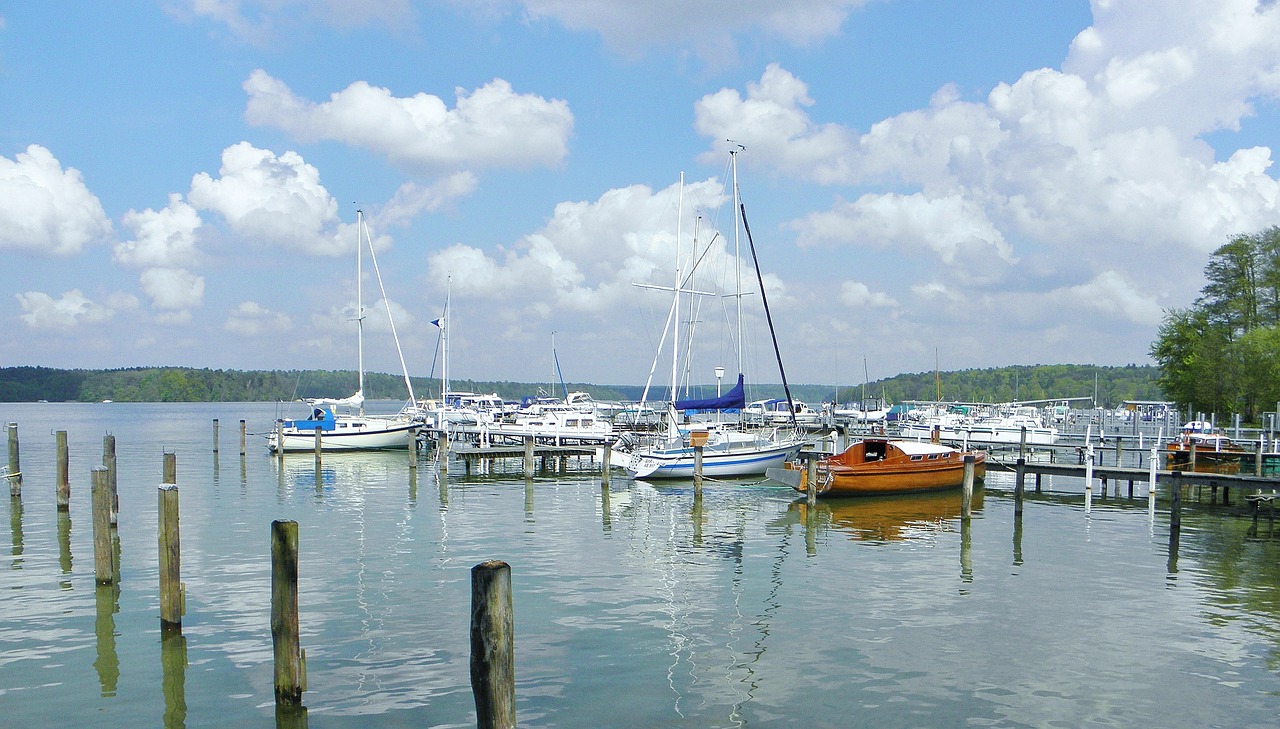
point(1110, 385)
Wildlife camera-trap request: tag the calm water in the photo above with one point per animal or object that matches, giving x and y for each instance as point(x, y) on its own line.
point(631, 611)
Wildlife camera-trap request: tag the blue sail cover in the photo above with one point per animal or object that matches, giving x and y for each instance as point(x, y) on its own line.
point(734, 399)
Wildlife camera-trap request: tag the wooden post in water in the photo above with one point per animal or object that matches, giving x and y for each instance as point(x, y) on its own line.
point(605, 456)
point(1019, 485)
point(966, 489)
point(1088, 479)
point(1193, 456)
point(1175, 502)
point(442, 451)
point(103, 558)
point(15, 468)
point(170, 468)
point(215, 435)
point(290, 672)
point(1151, 484)
point(63, 485)
point(493, 674)
point(811, 481)
point(697, 469)
point(280, 442)
point(170, 560)
point(413, 451)
point(1257, 459)
point(528, 456)
point(1022, 443)
point(319, 445)
point(242, 434)
point(1119, 458)
point(109, 460)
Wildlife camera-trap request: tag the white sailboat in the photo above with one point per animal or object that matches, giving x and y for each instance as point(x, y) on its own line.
point(729, 450)
point(342, 422)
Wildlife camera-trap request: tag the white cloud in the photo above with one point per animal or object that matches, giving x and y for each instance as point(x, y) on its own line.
point(275, 200)
point(252, 319)
point(267, 22)
point(491, 126)
point(411, 199)
point(41, 311)
point(173, 289)
point(1112, 293)
point(46, 209)
point(857, 295)
point(163, 238)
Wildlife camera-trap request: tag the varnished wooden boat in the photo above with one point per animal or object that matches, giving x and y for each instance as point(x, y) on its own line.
point(877, 466)
point(1210, 453)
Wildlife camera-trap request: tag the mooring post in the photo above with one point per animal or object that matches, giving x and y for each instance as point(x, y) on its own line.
point(63, 486)
point(242, 435)
point(1257, 459)
point(605, 456)
point(966, 490)
point(1175, 502)
point(1119, 456)
point(109, 460)
point(493, 674)
point(442, 450)
point(1019, 485)
point(811, 481)
point(697, 469)
point(290, 668)
point(528, 456)
point(170, 468)
point(319, 444)
point(171, 597)
point(15, 468)
point(103, 558)
point(215, 435)
point(413, 451)
point(280, 442)
point(1151, 484)
point(1088, 478)
point(1022, 443)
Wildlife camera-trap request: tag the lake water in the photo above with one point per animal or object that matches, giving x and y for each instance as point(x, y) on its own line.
point(634, 610)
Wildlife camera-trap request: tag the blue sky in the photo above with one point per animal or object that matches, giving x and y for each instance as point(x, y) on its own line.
point(997, 183)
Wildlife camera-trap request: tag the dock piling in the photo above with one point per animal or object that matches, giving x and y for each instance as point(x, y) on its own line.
point(63, 484)
point(1019, 485)
point(493, 677)
point(1175, 502)
point(215, 435)
point(285, 643)
point(15, 467)
point(242, 435)
point(966, 490)
point(171, 598)
point(103, 557)
point(109, 460)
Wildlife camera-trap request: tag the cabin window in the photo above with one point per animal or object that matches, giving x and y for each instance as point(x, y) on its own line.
point(917, 458)
point(571, 423)
point(933, 456)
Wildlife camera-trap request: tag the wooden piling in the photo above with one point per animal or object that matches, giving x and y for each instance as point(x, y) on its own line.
point(1175, 501)
point(15, 467)
point(1019, 485)
point(109, 460)
point(493, 681)
point(528, 456)
point(170, 468)
point(280, 442)
point(966, 489)
point(413, 452)
point(319, 444)
point(1119, 457)
point(1151, 484)
point(215, 435)
point(242, 435)
point(170, 559)
point(1088, 479)
point(63, 484)
point(697, 469)
point(811, 482)
point(605, 456)
point(1257, 459)
point(103, 558)
point(1022, 443)
point(285, 638)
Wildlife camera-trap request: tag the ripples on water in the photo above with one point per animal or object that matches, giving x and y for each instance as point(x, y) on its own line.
point(639, 607)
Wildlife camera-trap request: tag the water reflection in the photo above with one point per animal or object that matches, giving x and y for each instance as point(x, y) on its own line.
point(64, 547)
point(106, 661)
point(291, 717)
point(15, 525)
point(884, 519)
point(173, 662)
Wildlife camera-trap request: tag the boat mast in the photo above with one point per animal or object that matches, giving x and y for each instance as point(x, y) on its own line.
point(391, 320)
point(444, 339)
point(359, 311)
point(737, 251)
point(675, 340)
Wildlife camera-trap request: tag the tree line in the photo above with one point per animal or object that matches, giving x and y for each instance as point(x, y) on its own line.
point(1222, 354)
point(177, 384)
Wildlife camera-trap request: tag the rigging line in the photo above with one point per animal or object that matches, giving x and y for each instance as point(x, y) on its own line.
point(760, 279)
point(387, 303)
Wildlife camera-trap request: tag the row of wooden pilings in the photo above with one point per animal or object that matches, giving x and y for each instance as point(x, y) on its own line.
point(492, 618)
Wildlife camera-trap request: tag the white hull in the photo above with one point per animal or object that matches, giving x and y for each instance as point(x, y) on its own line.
point(350, 434)
point(980, 434)
point(679, 462)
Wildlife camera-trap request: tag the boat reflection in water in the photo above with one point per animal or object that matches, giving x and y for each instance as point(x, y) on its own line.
point(886, 518)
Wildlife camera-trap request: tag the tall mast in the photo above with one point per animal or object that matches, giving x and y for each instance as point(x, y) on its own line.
point(675, 341)
point(444, 370)
point(360, 309)
point(737, 253)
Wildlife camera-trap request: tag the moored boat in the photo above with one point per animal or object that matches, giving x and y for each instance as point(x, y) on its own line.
point(877, 466)
point(1200, 449)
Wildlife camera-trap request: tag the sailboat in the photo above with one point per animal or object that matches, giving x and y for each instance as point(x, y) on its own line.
point(728, 450)
point(342, 422)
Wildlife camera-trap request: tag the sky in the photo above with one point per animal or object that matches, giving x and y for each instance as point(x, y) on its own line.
point(926, 184)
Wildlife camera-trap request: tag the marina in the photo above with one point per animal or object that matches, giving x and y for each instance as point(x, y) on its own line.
point(741, 606)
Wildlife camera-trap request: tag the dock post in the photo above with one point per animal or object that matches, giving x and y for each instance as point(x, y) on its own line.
point(290, 661)
point(528, 456)
point(1037, 483)
point(242, 434)
point(1019, 486)
point(697, 469)
point(1022, 443)
point(493, 673)
point(1119, 456)
point(811, 480)
point(280, 442)
point(1257, 459)
point(605, 456)
point(1175, 502)
point(966, 490)
point(109, 460)
point(319, 445)
point(103, 557)
point(1088, 479)
point(215, 435)
point(171, 597)
point(1151, 484)
point(15, 468)
point(1193, 457)
point(63, 486)
point(413, 451)
point(170, 468)
point(442, 449)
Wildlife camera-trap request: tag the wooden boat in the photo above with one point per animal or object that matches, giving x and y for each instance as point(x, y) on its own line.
point(877, 466)
point(886, 518)
point(1203, 452)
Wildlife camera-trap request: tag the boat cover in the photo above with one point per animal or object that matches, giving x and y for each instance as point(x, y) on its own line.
point(734, 399)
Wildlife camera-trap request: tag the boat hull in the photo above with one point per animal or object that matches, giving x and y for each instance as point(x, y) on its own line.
point(679, 463)
point(891, 470)
point(376, 435)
